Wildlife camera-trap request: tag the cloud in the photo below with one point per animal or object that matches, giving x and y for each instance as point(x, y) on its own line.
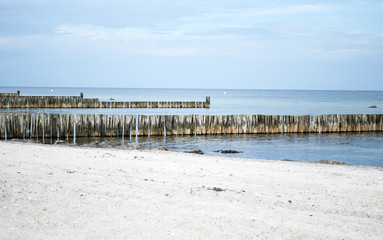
point(146, 41)
point(82, 32)
point(5, 41)
point(24, 43)
point(337, 52)
point(253, 31)
point(355, 31)
point(170, 52)
point(263, 41)
point(294, 10)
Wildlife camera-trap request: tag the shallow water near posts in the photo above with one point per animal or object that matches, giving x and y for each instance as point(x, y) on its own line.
point(353, 148)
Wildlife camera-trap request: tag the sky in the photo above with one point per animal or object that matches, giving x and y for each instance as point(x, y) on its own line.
point(219, 44)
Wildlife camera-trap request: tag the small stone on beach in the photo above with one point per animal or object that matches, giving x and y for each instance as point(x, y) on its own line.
point(59, 142)
point(217, 189)
point(161, 148)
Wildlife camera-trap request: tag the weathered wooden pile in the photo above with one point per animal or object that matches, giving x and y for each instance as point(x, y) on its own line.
point(38, 125)
point(15, 101)
point(9, 94)
point(48, 102)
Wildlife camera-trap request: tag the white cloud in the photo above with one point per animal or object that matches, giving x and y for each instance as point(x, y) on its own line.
point(355, 31)
point(170, 52)
point(81, 32)
point(240, 32)
point(144, 41)
point(5, 41)
point(294, 10)
point(24, 42)
point(283, 40)
point(340, 52)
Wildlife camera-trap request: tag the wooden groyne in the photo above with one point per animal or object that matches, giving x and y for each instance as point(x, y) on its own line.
point(10, 100)
point(41, 125)
point(9, 94)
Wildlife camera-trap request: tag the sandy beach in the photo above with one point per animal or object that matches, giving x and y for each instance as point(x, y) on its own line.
point(64, 192)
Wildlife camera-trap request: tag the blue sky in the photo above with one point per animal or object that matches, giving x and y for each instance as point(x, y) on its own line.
point(267, 44)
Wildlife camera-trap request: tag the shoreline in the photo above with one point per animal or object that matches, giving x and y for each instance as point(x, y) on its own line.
point(361, 158)
point(66, 192)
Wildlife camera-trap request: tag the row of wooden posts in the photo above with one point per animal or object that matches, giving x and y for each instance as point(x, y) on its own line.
point(38, 125)
point(7, 102)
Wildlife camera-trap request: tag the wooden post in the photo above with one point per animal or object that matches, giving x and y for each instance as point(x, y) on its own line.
point(174, 125)
point(154, 125)
point(207, 102)
point(127, 125)
point(169, 125)
point(303, 124)
point(180, 125)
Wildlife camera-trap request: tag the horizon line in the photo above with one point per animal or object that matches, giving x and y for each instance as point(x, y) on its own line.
point(175, 88)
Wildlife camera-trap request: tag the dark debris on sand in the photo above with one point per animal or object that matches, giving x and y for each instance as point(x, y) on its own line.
point(199, 151)
point(161, 148)
point(332, 162)
point(97, 144)
point(228, 151)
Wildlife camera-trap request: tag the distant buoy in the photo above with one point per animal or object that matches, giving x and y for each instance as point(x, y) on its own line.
point(51, 90)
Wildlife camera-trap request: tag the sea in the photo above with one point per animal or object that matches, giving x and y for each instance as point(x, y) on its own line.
point(353, 148)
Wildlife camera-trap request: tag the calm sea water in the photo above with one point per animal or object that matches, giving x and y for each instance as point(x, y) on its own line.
point(271, 102)
point(354, 148)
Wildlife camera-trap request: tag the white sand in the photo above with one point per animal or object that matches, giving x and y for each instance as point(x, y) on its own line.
point(51, 192)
